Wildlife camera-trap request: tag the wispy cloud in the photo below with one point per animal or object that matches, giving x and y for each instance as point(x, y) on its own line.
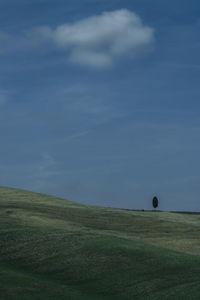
point(98, 41)
point(76, 135)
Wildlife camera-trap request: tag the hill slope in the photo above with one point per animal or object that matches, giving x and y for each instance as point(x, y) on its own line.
point(52, 248)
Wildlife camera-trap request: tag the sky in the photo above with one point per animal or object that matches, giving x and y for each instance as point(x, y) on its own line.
point(99, 101)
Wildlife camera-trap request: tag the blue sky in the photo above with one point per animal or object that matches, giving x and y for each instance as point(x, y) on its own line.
point(99, 100)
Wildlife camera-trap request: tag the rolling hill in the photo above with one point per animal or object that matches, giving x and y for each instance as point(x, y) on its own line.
point(52, 248)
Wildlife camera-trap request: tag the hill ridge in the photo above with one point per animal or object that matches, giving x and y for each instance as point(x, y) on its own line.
point(88, 252)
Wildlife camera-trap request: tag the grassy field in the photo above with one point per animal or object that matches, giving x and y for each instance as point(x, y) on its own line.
point(52, 248)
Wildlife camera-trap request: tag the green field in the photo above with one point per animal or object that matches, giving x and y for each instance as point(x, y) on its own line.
point(52, 248)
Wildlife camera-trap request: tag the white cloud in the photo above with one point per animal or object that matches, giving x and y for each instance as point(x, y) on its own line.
point(98, 40)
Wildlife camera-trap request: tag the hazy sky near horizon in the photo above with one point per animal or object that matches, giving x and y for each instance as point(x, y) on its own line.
point(100, 100)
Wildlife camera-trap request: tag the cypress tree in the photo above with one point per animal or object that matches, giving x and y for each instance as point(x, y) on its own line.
point(155, 202)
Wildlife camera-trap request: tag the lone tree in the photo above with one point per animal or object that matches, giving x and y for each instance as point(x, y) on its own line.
point(155, 202)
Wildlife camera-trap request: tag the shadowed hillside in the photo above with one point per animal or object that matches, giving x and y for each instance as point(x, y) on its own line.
point(52, 248)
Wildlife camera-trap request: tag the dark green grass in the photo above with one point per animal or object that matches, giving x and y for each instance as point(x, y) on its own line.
point(55, 249)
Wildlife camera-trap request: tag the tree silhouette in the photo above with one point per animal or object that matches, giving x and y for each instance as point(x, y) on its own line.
point(155, 202)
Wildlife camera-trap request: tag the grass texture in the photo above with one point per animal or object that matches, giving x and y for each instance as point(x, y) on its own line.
point(52, 248)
